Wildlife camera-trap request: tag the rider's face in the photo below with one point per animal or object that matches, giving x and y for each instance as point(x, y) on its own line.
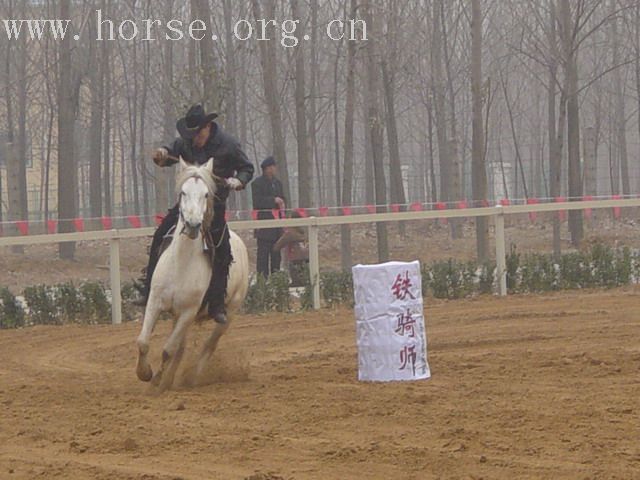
point(203, 135)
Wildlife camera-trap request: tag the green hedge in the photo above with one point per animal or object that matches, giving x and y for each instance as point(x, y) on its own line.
point(55, 305)
point(599, 267)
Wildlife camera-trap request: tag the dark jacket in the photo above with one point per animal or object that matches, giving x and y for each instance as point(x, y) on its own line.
point(228, 158)
point(264, 192)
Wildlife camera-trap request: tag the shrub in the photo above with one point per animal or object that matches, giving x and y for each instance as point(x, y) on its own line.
point(270, 294)
point(513, 265)
point(42, 307)
point(67, 301)
point(451, 279)
point(486, 277)
point(537, 274)
point(11, 311)
point(95, 307)
point(336, 287)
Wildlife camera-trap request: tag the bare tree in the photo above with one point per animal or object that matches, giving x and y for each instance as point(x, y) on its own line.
point(478, 168)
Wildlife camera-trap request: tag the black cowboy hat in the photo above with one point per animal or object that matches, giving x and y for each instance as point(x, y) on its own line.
point(193, 121)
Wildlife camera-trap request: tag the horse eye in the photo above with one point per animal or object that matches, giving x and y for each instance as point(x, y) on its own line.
point(206, 195)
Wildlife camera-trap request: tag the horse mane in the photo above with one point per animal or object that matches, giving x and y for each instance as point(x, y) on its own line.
point(194, 171)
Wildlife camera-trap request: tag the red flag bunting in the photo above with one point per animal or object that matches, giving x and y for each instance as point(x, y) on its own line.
point(276, 213)
point(254, 214)
point(302, 212)
point(371, 209)
point(107, 222)
point(484, 203)
point(323, 211)
point(134, 221)
point(505, 202)
point(588, 212)
point(346, 211)
point(617, 211)
point(23, 227)
point(79, 224)
point(532, 215)
point(158, 218)
point(416, 207)
point(395, 208)
point(562, 214)
point(462, 204)
point(51, 226)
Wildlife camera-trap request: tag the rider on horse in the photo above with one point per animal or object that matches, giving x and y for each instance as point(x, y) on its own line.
point(201, 139)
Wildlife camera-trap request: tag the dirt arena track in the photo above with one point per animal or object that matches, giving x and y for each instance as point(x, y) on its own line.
point(528, 387)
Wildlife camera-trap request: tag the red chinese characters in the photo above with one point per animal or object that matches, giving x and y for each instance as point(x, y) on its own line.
point(408, 358)
point(406, 324)
point(401, 287)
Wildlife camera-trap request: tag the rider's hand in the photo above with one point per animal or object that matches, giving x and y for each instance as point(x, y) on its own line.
point(234, 184)
point(160, 156)
point(279, 202)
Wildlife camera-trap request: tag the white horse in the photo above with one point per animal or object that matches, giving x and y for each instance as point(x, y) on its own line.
point(182, 277)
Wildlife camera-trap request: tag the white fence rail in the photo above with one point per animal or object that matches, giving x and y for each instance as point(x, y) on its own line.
point(313, 224)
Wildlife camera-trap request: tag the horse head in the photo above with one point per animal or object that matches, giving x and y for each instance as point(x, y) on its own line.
point(196, 188)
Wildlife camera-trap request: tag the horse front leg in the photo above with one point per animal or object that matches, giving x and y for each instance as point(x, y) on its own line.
point(173, 351)
point(151, 314)
point(209, 347)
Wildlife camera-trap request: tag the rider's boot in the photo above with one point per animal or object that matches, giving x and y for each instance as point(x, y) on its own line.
point(217, 291)
point(143, 284)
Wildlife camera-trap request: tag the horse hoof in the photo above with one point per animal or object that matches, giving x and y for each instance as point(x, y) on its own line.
point(145, 373)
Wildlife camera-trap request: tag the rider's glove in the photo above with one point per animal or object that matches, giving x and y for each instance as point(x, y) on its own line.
point(234, 184)
point(160, 156)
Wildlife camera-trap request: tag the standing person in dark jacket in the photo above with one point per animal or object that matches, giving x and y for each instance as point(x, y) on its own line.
point(268, 195)
point(201, 139)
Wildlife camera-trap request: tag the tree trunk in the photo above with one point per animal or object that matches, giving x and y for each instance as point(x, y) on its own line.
point(207, 72)
point(96, 89)
point(555, 134)
point(570, 50)
point(321, 181)
point(349, 115)
point(302, 135)
point(231, 98)
point(478, 168)
point(143, 114)
point(374, 122)
point(106, 137)
point(67, 170)
point(621, 119)
point(395, 166)
point(590, 165)
point(268, 59)
point(439, 106)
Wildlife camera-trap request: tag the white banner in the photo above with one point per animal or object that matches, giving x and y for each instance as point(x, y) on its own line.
point(390, 328)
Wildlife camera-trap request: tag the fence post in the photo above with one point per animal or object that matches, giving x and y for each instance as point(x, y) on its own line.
point(314, 264)
point(501, 258)
point(114, 272)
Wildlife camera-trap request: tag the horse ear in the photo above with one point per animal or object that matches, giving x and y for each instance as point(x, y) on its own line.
point(183, 164)
point(209, 166)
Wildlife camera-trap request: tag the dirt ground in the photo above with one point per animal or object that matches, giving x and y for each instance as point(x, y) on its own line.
point(426, 241)
point(526, 387)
